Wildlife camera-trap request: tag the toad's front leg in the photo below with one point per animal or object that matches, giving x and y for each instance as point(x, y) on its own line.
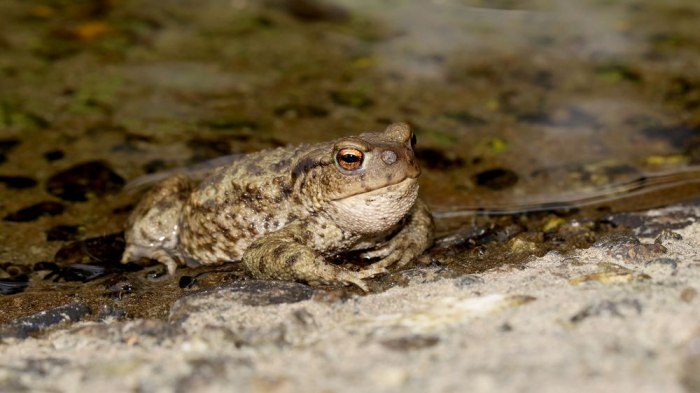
point(412, 240)
point(282, 256)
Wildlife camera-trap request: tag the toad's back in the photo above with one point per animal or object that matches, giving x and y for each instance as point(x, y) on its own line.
point(240, 203)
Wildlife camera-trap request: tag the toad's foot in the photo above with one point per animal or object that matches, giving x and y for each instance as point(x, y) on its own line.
point(399, 251)
point(355, 278)
point(287, 260)
point(414, 238)
point(380, 252)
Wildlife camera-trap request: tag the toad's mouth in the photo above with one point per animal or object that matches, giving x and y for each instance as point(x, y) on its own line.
point(400, 187)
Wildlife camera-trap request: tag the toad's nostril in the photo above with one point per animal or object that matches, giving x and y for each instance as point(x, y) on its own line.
point(389, 157)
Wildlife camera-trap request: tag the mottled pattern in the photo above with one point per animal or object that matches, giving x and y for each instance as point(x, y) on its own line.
point(283, 212)
point(153, 226)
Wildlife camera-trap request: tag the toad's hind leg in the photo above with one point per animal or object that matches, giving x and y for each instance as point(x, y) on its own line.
point(279, 257)
point(152, 228)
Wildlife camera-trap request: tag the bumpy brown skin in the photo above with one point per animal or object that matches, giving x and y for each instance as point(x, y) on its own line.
point(286, 212)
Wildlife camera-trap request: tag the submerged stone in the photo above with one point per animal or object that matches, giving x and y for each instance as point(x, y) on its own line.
point(17, 182)
point(8, 144)
point(78, 183)
point(33, 212)
point(10, 286)
point(437, 159)
point(62, 233)
point(206, 149)
point(5, 146)
point(154, 166)
point(103, 250)
point(187, 282)
point(679, 135)
point(53, 155)
point(316, 10)
point(496, 179)
point(79, 272)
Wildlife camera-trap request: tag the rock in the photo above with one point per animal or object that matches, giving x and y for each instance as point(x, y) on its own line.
point(249, 293)
point(258, 292)
point(630, 249)
point(655, 226)
point(24, 327)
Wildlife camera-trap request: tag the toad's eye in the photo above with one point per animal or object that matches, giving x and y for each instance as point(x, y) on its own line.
point(349, 158)
point(413, 140)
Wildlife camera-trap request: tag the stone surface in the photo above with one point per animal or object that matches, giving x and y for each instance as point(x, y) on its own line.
point(587, 108)
point(526, 329)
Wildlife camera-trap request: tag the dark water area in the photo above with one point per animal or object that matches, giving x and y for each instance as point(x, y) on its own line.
point(539, 123)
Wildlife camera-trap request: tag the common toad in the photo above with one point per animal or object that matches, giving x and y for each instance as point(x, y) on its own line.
point(286, 213)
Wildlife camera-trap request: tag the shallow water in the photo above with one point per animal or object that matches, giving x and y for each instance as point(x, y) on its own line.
point(517, 105)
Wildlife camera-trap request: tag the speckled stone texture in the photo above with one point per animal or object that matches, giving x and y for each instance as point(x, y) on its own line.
point(608, 318)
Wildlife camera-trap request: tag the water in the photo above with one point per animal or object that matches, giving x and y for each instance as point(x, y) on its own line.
point(537, 121)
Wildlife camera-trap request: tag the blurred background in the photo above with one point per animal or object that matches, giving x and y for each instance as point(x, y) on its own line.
point(516, 104)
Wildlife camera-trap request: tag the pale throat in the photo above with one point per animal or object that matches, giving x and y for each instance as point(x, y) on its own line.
point(376, 211)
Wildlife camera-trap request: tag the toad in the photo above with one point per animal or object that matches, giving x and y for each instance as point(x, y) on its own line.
point(288, 213)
